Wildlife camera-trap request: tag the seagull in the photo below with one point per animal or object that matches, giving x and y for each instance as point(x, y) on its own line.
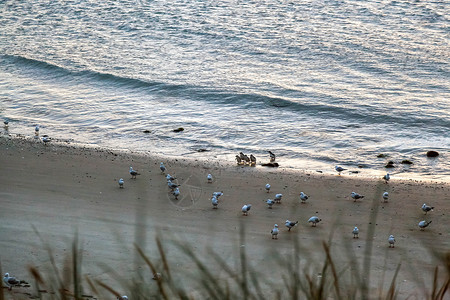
point(36, 130)
point(268, 187)
point(356, 196)
point(272, 156)
point(10, 281)
point(303, 197)
point(274, 232)
point(209, 178)
point(217, 194)
point(245, 209)
point(391, 241)
point(270, 203)
point(252, 159)
point(133, 173)
point(122, 297)
point(339, 169)
point(355, 232)
point(290, 224)
point(423, 224)
point(385, 197)
point(239, 160)
point(176, 193)
point(386, 177)
point(214, 202)
point(172, 185)
point(278, 198)
point(170, 177)
point(46, 139)
point(314, 220)
point(6, 123)
point(121, 183)
point(427, 208)
point(162, 167)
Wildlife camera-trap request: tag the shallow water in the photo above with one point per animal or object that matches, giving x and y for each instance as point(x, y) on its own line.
point(320, 84)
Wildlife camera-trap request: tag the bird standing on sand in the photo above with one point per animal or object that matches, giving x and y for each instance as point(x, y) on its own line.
point(277, 198)
point(272, 156)
point(217, 194)
point(209, 178)
point(385, 197)
point(36, 130)
point(6, 124)
point(121, 183)
point(423, 224)
point(314, 220)
point(386, 177)
point(391, 241)
point(245, 209)
point(252, 159)
point(355, 232)
point(339, 169)
point(133, 173)
point(214, 202)
point(170, 177)
point(176, 193)
point(270, 203)
point(303, 197)
point(238, 160)
point(356, 196)
point(46, 140)
point(427, 208)
point(10, 281)
point(172, 185)
point(268, 187)
point(274, 232)
point(290, 224)
point(162, 167)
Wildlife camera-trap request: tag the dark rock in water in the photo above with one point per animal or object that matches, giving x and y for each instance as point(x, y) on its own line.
point(381, 155)
point(202, 150)
point(432, 153)
point(407, 162)
point(178, 129)
point(146, 131)
point(272, 164)
point(390, 164)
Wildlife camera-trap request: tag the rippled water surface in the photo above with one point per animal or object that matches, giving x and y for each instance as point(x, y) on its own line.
point(319, 83)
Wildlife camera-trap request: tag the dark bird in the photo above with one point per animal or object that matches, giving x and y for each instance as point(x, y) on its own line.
point(272, 156)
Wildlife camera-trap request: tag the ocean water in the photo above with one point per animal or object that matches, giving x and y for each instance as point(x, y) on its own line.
point(319, 83)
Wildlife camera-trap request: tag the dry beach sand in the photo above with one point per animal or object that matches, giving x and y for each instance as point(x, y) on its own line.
point(62, 189)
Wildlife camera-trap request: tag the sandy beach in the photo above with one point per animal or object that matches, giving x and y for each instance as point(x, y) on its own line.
point(62, 189)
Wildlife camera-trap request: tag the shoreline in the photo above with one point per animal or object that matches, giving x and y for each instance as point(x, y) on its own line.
point(60, 189)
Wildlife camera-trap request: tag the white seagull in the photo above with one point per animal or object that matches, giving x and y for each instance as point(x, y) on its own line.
point(391, 241)
point(277, 198)
point(245, 209)
point(355, 232)
point(170, 177)
point(217, 194)
point(427, 208)
point(303, 197)
point(268, 187)
point(36, 130)
point(314, 220)
point(176, 193)
point(290, 224)
point(121, 183)
point(386, 177)
point(423, 224)
point(356, 196)
point(385, 197)
point(274, 232)
point(339, 169)
point(209, 178)
point(214, 202)
point(162, 167)
point(172, 185)
point(46, 140)
point(6, 123)
point(270, 203)
point(10, 281)
point(133, 173)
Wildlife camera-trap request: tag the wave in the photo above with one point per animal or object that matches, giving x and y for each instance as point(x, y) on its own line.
point(256, 101)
